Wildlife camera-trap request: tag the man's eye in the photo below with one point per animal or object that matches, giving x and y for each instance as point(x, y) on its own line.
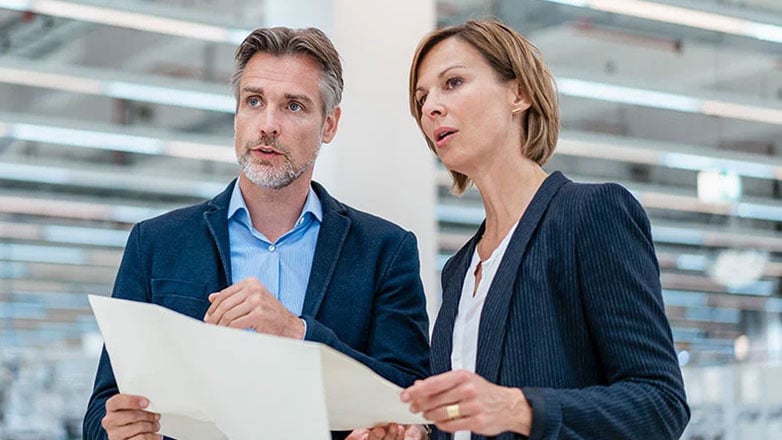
point(253, 102)
point(295, 107)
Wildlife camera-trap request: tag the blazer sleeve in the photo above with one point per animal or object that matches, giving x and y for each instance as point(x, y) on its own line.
point(129, 284)
point(621, 294)
point(398, 348)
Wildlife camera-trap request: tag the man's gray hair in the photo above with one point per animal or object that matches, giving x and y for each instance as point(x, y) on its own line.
point(281, 41)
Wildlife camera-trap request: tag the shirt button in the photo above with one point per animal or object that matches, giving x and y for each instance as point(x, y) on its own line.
point(272, 248)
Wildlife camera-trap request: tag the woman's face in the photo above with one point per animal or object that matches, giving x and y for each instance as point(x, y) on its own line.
point(466, 108)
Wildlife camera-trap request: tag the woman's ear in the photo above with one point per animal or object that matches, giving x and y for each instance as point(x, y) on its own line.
point(520, 101)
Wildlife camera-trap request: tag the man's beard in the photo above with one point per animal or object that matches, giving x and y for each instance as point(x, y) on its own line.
point(266, 175)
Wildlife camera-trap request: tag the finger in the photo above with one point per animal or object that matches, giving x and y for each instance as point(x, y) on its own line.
point(440, 414)
point(218, 297)
point(119, 402)
point(128, 416)
point(458, 387)
point(246, 321)
point(147, 437)
point(439, 383)
point(242, 307)
point(414, 432)
point(358, 434)
point(378, 433)
point(224, 304)
point(400, 433)
point(138, 428)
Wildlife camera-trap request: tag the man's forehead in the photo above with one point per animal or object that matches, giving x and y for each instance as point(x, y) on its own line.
point(295, 74)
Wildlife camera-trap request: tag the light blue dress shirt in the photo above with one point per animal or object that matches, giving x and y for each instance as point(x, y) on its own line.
point(283, 266)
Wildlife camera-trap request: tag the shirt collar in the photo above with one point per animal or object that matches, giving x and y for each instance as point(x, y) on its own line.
point(312, 205)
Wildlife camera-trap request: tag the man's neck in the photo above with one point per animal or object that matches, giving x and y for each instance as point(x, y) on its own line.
point(275, 211)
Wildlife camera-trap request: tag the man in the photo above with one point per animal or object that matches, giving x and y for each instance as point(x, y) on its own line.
point(275, 253)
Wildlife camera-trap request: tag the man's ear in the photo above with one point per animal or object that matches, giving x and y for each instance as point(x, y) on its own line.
point(330, 124)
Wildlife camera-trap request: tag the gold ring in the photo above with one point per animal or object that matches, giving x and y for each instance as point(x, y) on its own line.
point(452, 411)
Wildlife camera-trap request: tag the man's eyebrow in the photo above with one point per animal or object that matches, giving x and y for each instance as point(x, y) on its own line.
point(303, 98)
point(251, 89)
point(288, 96)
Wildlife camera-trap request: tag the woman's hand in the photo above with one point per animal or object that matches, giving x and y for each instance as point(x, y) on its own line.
point(461, 400)
point(390, 432)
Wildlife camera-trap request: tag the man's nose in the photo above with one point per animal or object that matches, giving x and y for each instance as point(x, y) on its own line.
point(269, 124)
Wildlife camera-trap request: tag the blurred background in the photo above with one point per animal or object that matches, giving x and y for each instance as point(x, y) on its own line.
point(118, 110)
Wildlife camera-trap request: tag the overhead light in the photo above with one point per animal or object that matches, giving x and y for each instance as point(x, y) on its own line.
point(735, 268)
point(110, 178)
point(716, 186)
point(169, 96)
point(40, 130)
point(76, 210)
point(85, 138)
point(33, 78)
point(94, 82)
point(669, 155)
point(741, 167)
point(42, 254)
point(627, 95)
point(667, 101)
point(683, 16)
point(739, 111)
point(129, 19)
point(81, 235)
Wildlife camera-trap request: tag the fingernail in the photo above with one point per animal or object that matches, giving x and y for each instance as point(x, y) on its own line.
point(143, 402)
point(405, 396)
point(157, 417)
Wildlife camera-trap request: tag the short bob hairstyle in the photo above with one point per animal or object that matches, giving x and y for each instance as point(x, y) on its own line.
point(513, 57)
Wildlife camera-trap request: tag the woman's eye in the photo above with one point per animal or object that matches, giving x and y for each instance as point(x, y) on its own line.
point(295, 107)
point(453, 82)
point(421, 100)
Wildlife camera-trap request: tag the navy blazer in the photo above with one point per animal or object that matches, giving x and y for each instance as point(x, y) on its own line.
point(575, 318)
point(364, 297)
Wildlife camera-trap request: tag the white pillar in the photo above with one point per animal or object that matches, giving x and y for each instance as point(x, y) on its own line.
point(379, 161)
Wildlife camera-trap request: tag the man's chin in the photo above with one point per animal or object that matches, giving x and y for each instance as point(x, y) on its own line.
point(272, 182)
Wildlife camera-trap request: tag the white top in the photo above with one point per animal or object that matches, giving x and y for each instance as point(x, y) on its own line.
point(468, 318)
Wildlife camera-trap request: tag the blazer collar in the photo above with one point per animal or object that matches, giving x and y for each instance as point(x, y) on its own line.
point(216, 218)
point(491, 330)
point(331, 238)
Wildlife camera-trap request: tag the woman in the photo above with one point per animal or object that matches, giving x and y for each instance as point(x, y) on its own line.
point(552, 323)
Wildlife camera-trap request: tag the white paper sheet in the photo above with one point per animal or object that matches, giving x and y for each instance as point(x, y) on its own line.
point(214, 383)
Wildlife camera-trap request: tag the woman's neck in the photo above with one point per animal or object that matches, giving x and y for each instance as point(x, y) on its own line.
point(506, 192)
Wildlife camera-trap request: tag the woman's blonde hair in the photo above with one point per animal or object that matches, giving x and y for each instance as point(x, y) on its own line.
point(513, 57)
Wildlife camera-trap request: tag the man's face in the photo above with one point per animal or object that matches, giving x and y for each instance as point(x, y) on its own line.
point(279, 124)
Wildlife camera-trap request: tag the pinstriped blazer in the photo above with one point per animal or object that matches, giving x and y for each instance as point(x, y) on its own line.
point(575, 318)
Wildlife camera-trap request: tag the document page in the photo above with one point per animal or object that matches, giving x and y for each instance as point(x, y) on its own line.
point(213, 383)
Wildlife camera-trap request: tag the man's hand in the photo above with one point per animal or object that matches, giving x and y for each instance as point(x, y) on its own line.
point(390, 432)
point(248, 304)
point(126, 419)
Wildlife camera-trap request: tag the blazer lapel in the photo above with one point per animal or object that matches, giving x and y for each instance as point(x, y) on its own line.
point(216, 218)
point(331, 239)
point(492, 329)
point(442, 334)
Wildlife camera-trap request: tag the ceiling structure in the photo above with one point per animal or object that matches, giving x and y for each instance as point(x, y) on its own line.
point(115, 111)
